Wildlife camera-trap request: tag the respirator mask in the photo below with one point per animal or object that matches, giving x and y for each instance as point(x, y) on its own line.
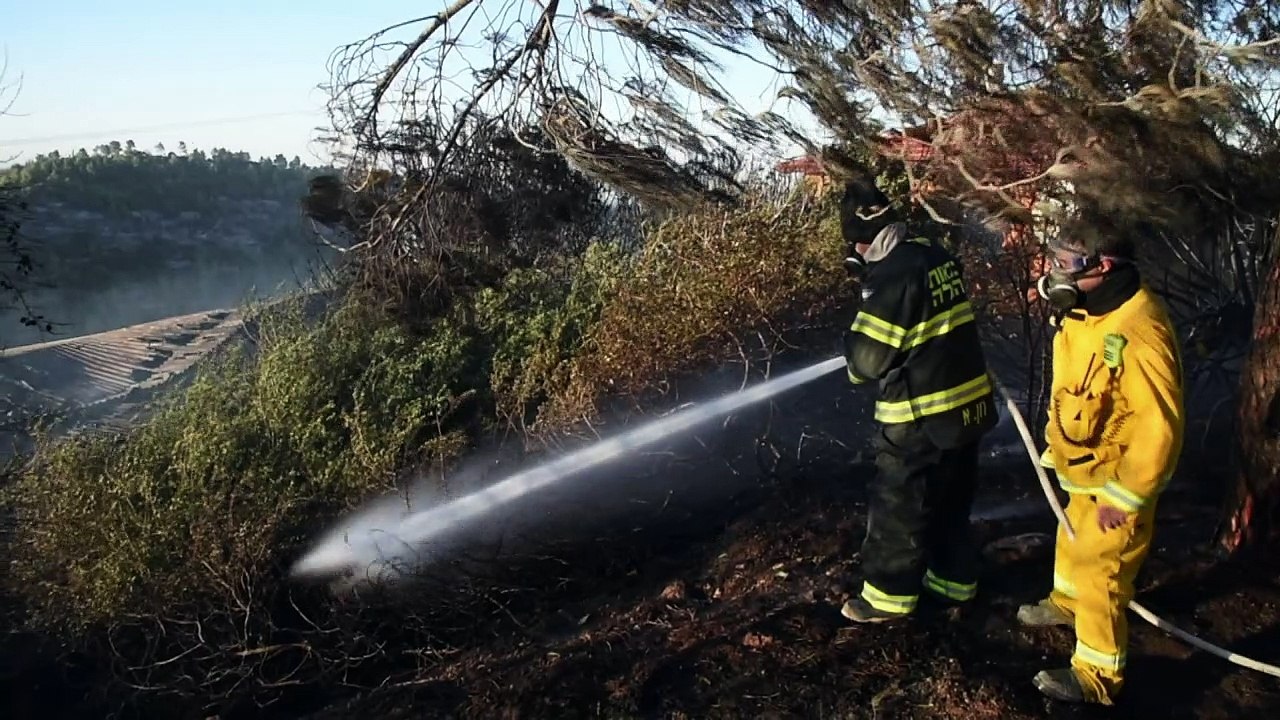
point(862, 226)
point(1059, 287)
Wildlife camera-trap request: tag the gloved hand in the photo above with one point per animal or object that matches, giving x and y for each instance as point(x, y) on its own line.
point(1110, 518)
point(855, 265)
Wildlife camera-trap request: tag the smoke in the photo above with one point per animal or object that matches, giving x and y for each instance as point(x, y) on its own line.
point(79, 311)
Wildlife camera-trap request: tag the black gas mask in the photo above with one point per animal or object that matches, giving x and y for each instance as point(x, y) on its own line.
point(1059, 287)
point(864, 211)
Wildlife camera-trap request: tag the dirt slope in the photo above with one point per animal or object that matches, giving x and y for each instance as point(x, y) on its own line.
point(106, 381)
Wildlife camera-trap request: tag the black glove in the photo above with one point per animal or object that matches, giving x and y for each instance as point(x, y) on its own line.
point(855, 265)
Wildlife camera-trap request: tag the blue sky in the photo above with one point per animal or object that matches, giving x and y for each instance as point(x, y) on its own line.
point(237, 74)
point(90, 67)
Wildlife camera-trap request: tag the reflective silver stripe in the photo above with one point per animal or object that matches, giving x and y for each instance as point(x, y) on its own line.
point(1122, 498)
point(1063, 585)
point(1073, 488)
point(1046, 459)
point(1109, 661)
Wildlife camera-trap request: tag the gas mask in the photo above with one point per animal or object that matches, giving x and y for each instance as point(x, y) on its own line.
point(864, 213)
point(1059, 287)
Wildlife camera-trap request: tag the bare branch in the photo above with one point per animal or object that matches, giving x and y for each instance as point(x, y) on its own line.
point(370, 123)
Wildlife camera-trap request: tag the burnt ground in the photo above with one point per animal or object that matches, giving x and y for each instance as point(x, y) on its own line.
point(741, 619)
point(664, 588)
point(747, 625)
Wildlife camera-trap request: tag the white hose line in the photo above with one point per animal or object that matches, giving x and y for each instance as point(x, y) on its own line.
point(1141, 611)
point(1029, 441)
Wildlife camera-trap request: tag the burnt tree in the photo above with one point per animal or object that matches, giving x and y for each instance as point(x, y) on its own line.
point(1253, 509)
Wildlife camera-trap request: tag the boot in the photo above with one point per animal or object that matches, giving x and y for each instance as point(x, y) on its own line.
point(1060, 685)
point(1043, 614)
point(859, 610)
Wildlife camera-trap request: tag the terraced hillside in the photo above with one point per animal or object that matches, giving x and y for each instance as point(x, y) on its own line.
point(101, 381)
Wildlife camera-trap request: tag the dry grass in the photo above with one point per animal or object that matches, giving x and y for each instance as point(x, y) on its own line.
point(705, 286)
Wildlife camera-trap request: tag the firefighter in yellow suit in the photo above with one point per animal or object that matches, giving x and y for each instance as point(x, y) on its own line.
point(1114, 435)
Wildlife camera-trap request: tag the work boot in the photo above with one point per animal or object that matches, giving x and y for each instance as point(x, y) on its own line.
point(859, 610)
point(1061, 684)
point(1043, 614)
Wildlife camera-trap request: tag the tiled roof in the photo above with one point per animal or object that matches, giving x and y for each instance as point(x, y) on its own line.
point(806, 164)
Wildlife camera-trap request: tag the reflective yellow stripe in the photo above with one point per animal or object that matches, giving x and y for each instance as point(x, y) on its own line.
point(898, 337)
point(1063, 585)
point(950, 589)
point(1122, 498)
point(878, 329)
point(915, 408)
point(1046, 459)
point(857, 379)
point(939, 325)
point(884, 602)
point(1110, 661)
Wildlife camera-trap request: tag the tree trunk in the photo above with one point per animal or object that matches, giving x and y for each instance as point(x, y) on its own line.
point(1252, 511)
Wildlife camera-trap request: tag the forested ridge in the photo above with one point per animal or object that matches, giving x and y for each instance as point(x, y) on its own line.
point(116, 178)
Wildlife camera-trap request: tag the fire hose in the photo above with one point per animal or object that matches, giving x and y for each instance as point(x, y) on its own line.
point(1141, 611)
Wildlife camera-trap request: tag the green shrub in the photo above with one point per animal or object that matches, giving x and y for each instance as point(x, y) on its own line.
point(204, 499)
point(220, 484)
point(185, 522)
point(537, 322)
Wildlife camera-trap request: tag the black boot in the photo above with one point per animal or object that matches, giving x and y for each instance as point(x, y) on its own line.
point(859, 610)
point(1061, 684)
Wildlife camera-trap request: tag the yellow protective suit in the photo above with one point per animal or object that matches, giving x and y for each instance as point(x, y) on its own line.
point(1114, 434)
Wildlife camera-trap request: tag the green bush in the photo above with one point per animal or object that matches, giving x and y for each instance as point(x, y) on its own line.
point(537, 322)
point(212, 492)
point(171, 540)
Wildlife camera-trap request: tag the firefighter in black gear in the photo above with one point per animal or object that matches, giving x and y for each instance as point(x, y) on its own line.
point(916, 336)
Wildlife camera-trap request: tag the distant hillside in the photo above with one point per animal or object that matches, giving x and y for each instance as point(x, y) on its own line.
point(122, 236)
point(118, 179)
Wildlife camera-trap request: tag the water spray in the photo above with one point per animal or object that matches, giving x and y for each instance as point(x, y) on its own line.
point(1137, 608)
point(369, 539)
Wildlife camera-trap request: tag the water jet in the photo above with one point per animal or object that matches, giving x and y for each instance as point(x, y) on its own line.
point(388, 537)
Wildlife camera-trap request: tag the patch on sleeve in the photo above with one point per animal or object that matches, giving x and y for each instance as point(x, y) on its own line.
point(1113, 350)
point(866, 293)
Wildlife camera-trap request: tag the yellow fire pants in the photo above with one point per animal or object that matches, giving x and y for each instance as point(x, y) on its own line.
point(1093, 583)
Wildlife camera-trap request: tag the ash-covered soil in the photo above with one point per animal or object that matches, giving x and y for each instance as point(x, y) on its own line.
point(703, 579)
point(747, 625)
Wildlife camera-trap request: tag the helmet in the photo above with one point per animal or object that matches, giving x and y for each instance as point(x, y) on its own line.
point(864, 210)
